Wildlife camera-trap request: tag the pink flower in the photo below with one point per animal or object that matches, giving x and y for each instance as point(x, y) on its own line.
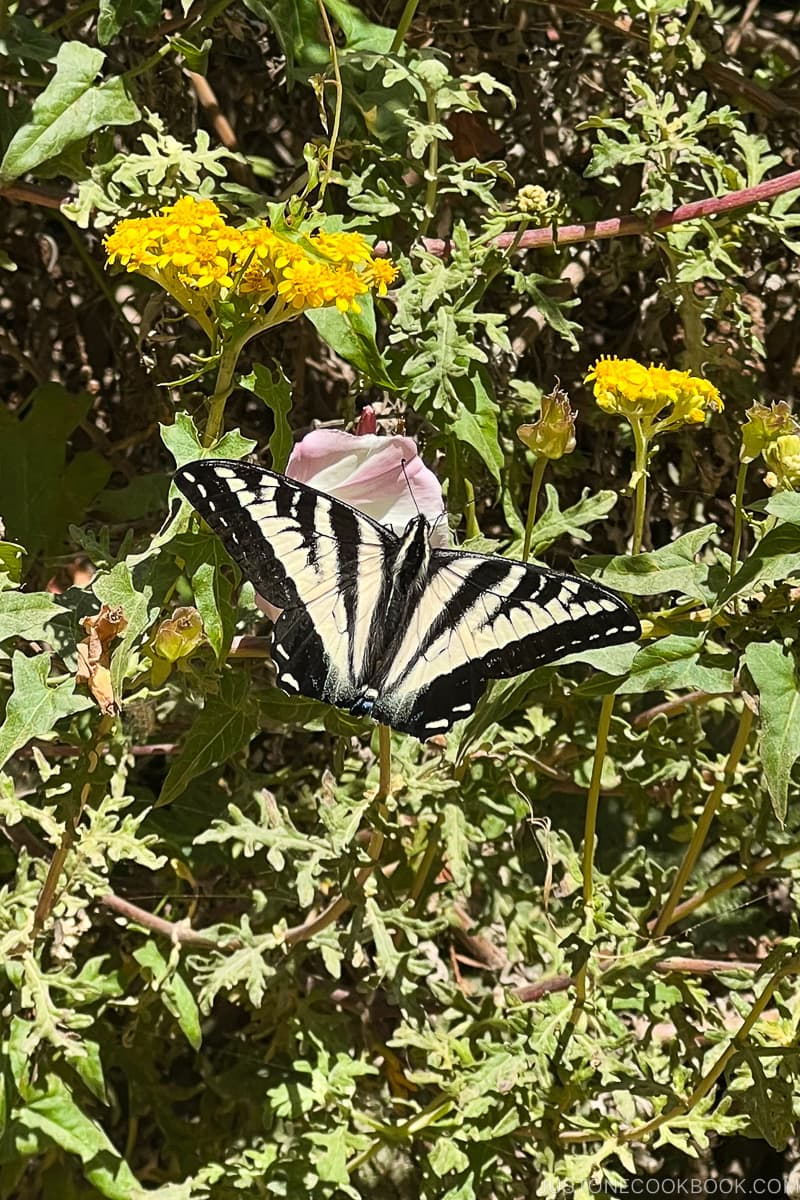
point(383, 477)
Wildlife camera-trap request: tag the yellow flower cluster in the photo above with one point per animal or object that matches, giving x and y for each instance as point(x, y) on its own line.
point(189, 245)
point(654, 397)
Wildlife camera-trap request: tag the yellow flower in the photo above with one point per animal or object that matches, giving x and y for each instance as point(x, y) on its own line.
point(381, 272)
point(655, 398)
point(189, 245)
point(341, 247)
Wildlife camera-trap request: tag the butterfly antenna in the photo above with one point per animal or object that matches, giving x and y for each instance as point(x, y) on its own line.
point(408, 484)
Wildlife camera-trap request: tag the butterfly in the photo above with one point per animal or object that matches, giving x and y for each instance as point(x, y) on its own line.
point(386, 625)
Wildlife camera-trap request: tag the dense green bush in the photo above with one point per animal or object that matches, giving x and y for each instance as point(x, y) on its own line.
point(251, 946)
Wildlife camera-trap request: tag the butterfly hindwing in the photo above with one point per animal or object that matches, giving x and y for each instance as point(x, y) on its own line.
point(482, 618)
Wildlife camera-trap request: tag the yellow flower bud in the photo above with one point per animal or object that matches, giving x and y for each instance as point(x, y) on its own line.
point(783, 457)
point(764, 425)
point(533, 199)
point(178, 635)
point(553, 435)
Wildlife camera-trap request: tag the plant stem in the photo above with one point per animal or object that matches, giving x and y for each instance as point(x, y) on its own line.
point(640, 1132)
point(47, 896)
point(432, 170)
point(403, 25)
point(710, 807)
point(539, 468)
point(640, 492)
point(738, 518)
point(339, 906)
point(337, 112)
point(590, 822)
point(728, 882)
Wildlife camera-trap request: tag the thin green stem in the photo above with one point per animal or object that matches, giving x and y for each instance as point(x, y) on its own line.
point(590, 825)
point(738, 518)
point(640, 489)
point(424, 868)
point(403, 25)
point(539, 468)
point(700, 834)
point(337, 112)
point(729, 882)
point(640, 1132)
point(432, 170)
point(421, 1120)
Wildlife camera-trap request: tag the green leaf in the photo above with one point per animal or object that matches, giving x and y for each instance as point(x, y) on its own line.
point(446, 1157)
point(456, 843)
point(386, 953)
point(475, 423)
point(35, 705)
point(144, 494)
point(359, 33)
point(173, 989)
point(673, 664)
point(184, 444)
point(54, 1112)
point(670, 569)
point(11, 556)
point(26, 614)
point(226, 725)
point(113, 15)
point(118, 589)
point(276, 392)
point(297, 27)
point(553, 523)
point(352, 336)
point(40, 496)
point(68, 110)
point(773, 670)
point(785, 506)
point(775, 558)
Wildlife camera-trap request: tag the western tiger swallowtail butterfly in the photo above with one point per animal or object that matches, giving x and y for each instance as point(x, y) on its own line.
point(389, 626)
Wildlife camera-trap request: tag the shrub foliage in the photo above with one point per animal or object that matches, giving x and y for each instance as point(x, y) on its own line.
point(251, 946)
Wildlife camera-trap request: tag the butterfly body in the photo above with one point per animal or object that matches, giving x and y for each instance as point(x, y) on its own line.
point(391, 626)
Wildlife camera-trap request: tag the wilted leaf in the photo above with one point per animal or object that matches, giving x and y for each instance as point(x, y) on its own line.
point(118, 590)
point(94, 655)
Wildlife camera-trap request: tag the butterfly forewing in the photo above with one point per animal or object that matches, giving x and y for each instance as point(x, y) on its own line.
point(316, 558)
point(463, 618)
